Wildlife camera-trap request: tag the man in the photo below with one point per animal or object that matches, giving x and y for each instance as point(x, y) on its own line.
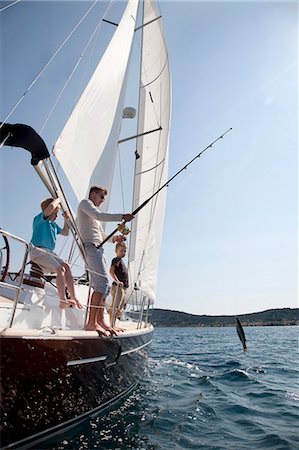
point(92, 234)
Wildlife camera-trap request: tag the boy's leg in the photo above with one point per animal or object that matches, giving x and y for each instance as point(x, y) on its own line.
point(118, 305)
point(60, 284)
point(52, 263)
point(122, 303)
point(113, 303)
point(69, 281)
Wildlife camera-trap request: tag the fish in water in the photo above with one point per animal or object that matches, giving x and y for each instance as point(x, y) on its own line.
point(241, 334)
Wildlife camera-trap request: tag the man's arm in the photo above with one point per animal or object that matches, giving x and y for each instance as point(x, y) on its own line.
point(88, 208)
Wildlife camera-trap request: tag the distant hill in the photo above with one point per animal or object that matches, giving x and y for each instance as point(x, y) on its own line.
point(270, 317)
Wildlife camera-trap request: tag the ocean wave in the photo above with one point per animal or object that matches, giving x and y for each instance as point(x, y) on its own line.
point(294, 396)
point(235, 375)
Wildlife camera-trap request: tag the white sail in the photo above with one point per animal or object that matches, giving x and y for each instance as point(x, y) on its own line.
point(87, 146)
point(152, 166)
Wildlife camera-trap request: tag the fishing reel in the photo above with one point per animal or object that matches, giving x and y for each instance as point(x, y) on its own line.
point(123, 229)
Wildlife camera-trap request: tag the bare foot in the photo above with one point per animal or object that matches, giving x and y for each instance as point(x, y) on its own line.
point(97, 328)
point(118, 329)
point(107, 328)
point(63, 304)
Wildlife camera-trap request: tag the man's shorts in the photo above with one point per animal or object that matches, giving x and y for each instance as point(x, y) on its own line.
point(96, 267)
point(49, 262)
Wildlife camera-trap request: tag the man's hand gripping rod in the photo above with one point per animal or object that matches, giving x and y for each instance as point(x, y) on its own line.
point(165, 185)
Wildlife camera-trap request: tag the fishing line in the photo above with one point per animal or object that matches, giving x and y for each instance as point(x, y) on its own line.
point(168, 182)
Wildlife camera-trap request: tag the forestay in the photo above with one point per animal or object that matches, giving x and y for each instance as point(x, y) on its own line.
point(87, 146)
point(152, 166)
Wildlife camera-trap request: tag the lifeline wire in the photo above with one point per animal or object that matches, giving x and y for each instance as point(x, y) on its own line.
point(74, 68)
point(8, 6)
point(47, 64)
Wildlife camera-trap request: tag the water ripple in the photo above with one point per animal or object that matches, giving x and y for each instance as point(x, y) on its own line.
point(201, 392)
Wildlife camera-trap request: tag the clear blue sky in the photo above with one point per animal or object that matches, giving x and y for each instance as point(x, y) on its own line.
point(231, 227)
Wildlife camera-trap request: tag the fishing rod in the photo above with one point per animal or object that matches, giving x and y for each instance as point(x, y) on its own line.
point(121, 227)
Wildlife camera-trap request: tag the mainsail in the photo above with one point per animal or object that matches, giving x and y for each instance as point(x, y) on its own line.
point(87, 146)
point(152, 165)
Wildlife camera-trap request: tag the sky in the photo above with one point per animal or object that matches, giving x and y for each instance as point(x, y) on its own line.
point(230, 243)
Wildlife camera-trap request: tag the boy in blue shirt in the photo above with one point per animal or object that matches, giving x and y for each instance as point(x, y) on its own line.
point(45, 231)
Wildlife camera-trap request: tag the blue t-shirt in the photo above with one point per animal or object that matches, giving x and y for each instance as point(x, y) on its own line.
point(44, 232)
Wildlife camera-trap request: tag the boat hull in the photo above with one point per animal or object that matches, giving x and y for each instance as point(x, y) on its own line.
point(49, 384)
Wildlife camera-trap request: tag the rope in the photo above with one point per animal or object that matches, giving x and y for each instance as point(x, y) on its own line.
point(8, 6)
point(47, 64)
point(83, 306)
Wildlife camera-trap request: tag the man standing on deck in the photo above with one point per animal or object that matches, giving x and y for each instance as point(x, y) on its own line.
point(92, 233)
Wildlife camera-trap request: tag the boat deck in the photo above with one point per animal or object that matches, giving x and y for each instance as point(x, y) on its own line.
point(128, 327)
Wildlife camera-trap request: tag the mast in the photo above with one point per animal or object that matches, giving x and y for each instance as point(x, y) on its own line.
point(132, 241)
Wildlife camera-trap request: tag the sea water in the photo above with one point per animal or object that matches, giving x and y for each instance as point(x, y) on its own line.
point(200, 391)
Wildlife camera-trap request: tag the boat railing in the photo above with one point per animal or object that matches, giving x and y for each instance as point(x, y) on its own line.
point(16, 287)
point(140, 315)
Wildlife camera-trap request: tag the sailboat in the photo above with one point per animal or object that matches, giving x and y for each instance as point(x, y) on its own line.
point(54, 374)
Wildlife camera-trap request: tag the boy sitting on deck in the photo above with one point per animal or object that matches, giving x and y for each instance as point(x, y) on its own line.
point(44, 235)
point(119, 273)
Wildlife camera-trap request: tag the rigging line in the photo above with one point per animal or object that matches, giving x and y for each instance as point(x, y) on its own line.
point(73, 263)
point(56, 186)
point(169, 181)
point(8, 6)
point(65, 241)
point(97, 29)
point(185, 167)
point(71, 252)
point(47, 64)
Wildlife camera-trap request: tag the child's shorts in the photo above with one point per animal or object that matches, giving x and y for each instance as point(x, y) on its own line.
point(49, 262)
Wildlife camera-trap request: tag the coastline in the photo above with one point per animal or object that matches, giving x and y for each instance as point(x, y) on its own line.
point(165, 318)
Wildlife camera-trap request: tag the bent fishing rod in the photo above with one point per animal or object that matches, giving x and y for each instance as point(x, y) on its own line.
point(121, 226)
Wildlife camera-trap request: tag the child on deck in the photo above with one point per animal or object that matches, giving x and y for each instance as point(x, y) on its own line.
point(44, 236)
point(119, 273)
